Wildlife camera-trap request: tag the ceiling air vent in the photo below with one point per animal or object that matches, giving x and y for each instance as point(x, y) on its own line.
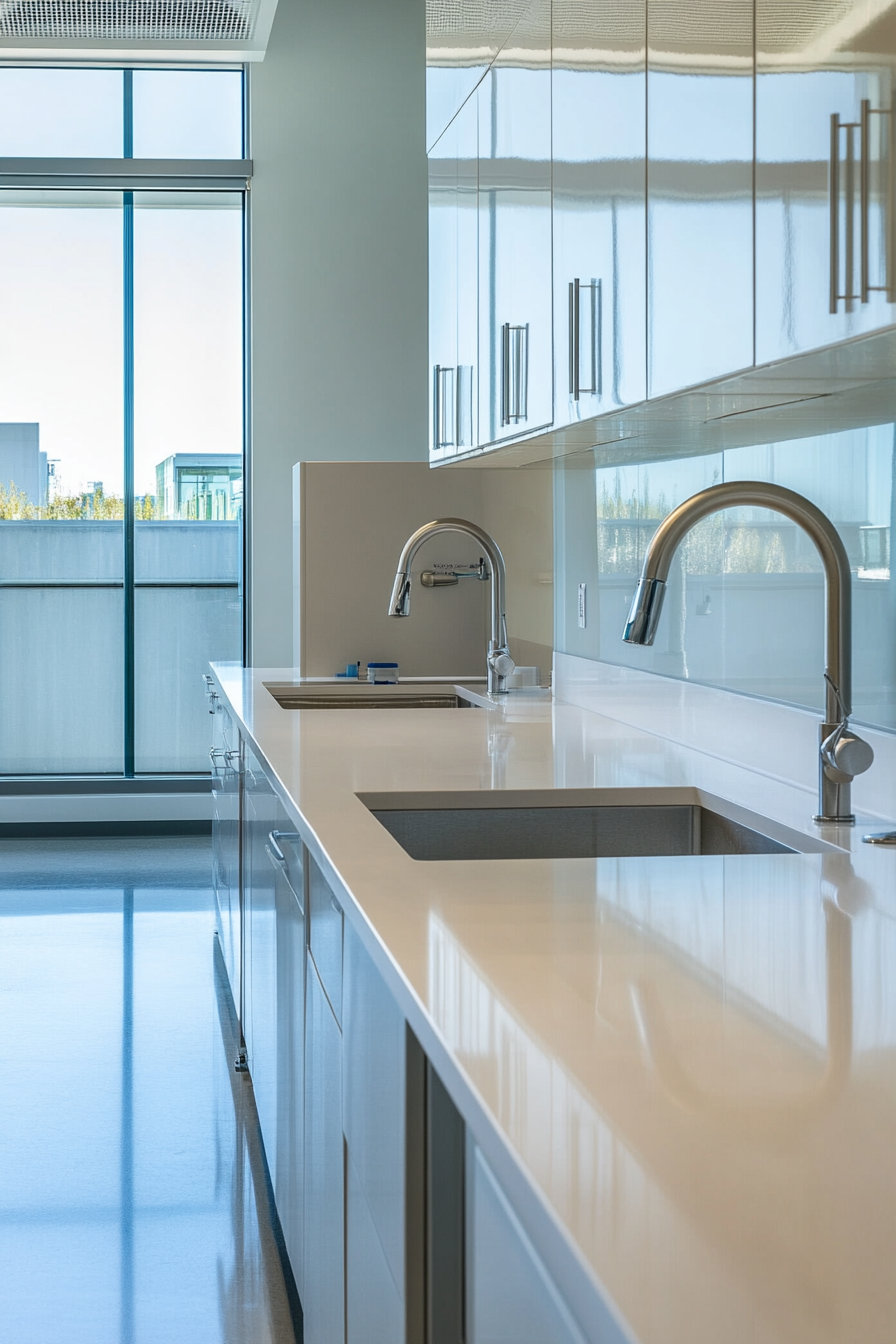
point(152, 30)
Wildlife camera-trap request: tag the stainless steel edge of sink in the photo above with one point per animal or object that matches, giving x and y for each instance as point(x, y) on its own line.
point(580, 823)
point(361, 695)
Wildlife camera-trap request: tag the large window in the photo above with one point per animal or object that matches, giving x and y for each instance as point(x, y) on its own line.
point(121, 414)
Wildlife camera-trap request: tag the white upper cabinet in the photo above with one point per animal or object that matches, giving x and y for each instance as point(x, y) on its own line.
point(630, 198)
point(463, 37)
point(443, 296)
point(454, 287)
point(466, 384)
point(515, 310)
point(699, 191)
point(599, 143)
point(825, 174)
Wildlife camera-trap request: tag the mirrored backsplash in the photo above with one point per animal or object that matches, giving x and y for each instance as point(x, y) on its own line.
point(745, 603)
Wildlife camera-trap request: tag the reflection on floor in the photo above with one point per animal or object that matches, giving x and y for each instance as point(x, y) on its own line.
point(129, 1153)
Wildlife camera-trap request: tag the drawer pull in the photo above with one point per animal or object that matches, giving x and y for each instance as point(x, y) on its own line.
point(273, 843)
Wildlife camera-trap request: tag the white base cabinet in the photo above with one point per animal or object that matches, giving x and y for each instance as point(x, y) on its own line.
point(374, 1310)
point(324, 1269)
point(395, 1227)
point(288, 1146)
point(225, 771)
point(274, 995)
point(511, 1298)
point(383, 1125)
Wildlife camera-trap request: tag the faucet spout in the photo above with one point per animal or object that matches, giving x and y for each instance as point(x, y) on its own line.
point(842, 755)
point(500, 663)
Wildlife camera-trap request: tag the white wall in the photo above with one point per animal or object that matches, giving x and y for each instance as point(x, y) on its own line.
point(338, 265)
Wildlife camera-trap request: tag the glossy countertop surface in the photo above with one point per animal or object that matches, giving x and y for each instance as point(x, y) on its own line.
point(683, 1070)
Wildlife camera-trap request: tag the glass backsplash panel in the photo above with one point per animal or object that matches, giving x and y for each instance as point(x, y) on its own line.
point(745, 604)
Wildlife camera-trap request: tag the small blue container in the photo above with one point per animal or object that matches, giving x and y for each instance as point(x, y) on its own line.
point(382, 674)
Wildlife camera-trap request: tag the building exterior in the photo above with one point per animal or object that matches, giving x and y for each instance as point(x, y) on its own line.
point(22, 464)
point(204, 487)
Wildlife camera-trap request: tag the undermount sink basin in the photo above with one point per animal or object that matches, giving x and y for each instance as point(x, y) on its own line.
point(579, 824)
point(363, 695)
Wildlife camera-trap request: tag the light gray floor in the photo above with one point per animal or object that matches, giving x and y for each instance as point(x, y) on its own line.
point(129, 1152)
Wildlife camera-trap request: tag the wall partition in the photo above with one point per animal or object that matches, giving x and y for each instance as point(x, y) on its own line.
point(121, 414)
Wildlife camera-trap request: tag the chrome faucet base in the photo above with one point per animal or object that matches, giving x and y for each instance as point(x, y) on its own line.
point(835, 821)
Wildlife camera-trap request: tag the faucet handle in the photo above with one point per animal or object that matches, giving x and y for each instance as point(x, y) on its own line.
point(500, 661)
point(844, 754)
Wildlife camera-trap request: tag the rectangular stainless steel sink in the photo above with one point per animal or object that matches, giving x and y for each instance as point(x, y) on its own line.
point(579, 824)
point(363, 695)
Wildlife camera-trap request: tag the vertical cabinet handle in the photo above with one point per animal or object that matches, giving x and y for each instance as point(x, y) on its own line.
point(514, 373)
point(864, 190)
point(834, 202)
point(592, 343)
point(464, 412)
point(443, 407)
point(843, 134)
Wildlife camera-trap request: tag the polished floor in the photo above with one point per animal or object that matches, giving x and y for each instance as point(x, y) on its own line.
point(133, 1205)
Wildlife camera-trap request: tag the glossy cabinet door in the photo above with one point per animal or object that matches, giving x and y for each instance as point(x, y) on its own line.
point(286, 1152)
point(511, 1298)
point(324, 1268)
point(699, 191)
point(225, 772)
point(326, 929)
point(374, 1310)
point(375, 1045)
point(825, 261)
point(515, 307)
point(260, 1025)
point(599, 146)
point(462, 40)
point(443, 278)
point(275, 995)
point(466, 385)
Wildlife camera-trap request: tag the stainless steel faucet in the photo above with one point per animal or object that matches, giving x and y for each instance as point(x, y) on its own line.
point(841, 754)
point(500, 663)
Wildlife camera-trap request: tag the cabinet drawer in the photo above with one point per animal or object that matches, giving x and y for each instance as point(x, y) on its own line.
point(325, 920)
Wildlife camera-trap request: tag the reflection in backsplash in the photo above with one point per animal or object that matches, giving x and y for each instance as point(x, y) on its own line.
point(745, 606)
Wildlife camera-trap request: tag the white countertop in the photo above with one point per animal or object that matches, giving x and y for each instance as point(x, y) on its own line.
point(683, 1070)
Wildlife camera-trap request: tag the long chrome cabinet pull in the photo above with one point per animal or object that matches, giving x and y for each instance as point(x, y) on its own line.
point(864, 189)
point(443, 407)
point(848, 296)
point(834, 190)
point(889, 202)
point(464, 414)
point(575, 339)
point(514, 373)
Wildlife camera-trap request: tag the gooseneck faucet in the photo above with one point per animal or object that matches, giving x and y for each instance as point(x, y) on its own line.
point(841, 754)
point(500, 663)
